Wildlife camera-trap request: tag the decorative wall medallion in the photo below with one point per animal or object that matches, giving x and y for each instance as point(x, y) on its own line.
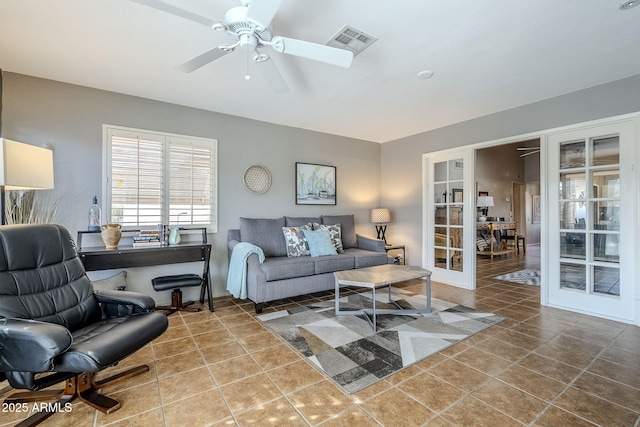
point(257, 179)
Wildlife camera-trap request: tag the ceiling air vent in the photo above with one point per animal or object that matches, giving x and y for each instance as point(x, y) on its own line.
point(351, 39)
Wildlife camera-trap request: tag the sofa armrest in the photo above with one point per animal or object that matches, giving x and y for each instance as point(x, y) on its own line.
point(369, 244)
point(123, 303)
point(31, 346)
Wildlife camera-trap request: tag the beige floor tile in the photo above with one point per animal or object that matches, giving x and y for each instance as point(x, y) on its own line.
point(224, 350)
point(320, 401)
point(172, 333)
point(185, 385)
point(275, 357)
point(143, 378)
point(431, 391)
point(472, 412)
point(177, 364)
point(207, 326)
point(235, 369)
point(533, 383)
point(511, 401)
point(609, 390)
point(152, 418)
point(459, 375)
point(556, 417)
point(247, 329)
point(133, 401)
point(295, 376)
point(626, 375)
point(173, 347)
point(482, 361)
point(595, 409)
point(212, 338)
point(395, 408)
point(374, 389)
point(249, 393)
point(199, 410)
point(549, 367)
point(352, 417)
point(259, 341)
point(278, 413)
point(502, 349)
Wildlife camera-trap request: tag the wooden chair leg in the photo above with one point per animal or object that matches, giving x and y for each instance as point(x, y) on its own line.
point(82, 386)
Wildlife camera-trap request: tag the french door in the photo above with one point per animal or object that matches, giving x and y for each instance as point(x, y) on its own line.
point(591, 220)
point(448, 178)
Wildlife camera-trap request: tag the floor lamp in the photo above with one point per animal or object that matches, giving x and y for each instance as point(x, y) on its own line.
point(23, 167)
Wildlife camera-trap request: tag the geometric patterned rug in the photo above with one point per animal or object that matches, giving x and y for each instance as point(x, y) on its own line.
point(347, 349)
point(525, 277)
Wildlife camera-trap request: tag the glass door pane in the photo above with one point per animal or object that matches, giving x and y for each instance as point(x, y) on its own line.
point(591, 197)
point(448, 215)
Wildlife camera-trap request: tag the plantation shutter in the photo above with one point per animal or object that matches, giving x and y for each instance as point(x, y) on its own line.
point(160, 179)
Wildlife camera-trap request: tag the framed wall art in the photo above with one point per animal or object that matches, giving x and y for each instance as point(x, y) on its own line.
point(315, 184)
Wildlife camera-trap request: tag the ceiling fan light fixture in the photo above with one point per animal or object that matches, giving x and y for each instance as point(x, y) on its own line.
point(425, 74)
point(259, 57)
point(628, 4)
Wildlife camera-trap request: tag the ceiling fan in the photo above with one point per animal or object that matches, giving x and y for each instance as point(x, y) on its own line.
point(528, 150)
point(249, 27)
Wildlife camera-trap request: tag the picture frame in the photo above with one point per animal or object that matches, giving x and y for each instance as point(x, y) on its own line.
point(315, 184)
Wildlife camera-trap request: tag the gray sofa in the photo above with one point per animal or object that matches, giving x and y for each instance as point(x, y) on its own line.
point(280, 276)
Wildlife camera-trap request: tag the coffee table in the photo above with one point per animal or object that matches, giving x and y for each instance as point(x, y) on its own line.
point(378, 277)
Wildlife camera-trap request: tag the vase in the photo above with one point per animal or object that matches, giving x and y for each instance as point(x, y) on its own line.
point(111, 234)
point(174, 236)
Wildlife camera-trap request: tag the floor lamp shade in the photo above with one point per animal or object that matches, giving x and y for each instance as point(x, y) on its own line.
point(24, 166)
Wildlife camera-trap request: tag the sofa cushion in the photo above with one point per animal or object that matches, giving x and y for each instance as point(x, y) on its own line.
point(347, 224)
point(319, 242)
point(364, 258)
point(279, 268)
point(335, 233)
point(329, 264)
point(265, 233)
point(291, 221)
point(295, 241)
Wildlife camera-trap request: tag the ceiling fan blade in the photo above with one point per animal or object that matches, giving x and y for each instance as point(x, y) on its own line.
point(317, 52)
point(529, 152)
point(527, 148)
point(166, 7)
point(272, 75)
point(203, 59)
point(261, 12)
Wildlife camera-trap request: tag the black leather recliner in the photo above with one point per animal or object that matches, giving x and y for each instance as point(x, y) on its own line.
point(51, 320)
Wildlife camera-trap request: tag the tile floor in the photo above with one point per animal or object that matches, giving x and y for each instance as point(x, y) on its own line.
point(541, 366)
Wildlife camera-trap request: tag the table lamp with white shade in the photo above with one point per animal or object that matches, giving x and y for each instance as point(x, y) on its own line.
point(23, 167)
point(484, 202)
point(380, 217)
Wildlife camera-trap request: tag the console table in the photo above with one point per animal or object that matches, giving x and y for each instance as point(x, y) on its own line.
point(492, 227)
point(126, 256)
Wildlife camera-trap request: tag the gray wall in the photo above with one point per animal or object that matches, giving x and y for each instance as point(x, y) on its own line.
point(402, 159)
point(69, 117)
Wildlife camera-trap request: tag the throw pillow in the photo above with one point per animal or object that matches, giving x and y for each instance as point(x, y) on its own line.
point(481, 243)
point(347, 223)
point(319, 243)
point(119, 282)
point(295, 241)
point(335, 233)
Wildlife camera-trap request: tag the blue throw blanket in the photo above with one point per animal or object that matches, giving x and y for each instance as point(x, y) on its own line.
point(237, 277)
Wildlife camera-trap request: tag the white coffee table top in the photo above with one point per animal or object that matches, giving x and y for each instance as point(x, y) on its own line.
point(380, 275)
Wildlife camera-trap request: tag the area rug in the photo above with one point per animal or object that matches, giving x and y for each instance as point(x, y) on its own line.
point(525, 277)
point(347, 349)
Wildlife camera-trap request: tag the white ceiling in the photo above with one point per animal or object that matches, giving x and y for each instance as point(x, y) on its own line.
point(486, 55)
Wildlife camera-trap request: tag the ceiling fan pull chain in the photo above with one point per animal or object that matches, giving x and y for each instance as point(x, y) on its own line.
point(247, 76)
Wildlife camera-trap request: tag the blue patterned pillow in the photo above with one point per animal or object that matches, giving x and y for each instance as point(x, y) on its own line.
point(319, 243)
point(335, 232)
point(295, 241)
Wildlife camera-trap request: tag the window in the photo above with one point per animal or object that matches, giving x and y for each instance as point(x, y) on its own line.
point(155, 178)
